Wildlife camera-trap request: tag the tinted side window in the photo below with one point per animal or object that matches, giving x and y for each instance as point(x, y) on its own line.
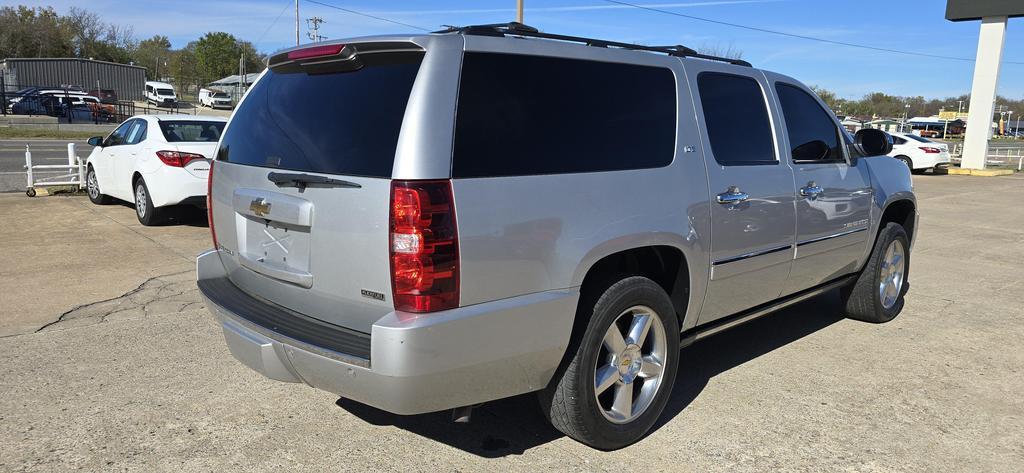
point(117, 136)
point(812, 133)
point(528, 115)
point(736, 117)
point(898, 141)
point(335, 122)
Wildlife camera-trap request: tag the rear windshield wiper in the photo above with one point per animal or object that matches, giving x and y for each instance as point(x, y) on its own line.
point(301, 180)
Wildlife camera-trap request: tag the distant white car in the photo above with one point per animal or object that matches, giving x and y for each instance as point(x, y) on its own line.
point(214, 99)
point(156, 161)
point(918, 153)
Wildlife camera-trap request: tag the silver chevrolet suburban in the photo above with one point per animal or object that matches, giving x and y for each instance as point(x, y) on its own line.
point(422, 223)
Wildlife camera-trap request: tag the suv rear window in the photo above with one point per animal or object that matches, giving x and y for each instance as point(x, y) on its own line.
point(528, 115)
point(191, 130)
point(334, 123)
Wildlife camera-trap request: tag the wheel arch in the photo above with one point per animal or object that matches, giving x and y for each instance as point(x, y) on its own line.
point(665, 264)
point(902, 211)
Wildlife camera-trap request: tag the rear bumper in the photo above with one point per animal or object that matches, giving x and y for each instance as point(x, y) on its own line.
point(173, 186)
point(439, 361)
point(932, 161)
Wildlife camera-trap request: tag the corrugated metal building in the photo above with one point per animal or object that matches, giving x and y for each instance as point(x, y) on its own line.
point(127, 81)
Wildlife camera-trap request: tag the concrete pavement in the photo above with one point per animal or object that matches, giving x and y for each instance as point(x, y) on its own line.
point(144, 382)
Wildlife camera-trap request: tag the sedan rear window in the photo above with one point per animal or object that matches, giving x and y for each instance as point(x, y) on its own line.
point(336, 123)
point(191, 130)
point(918, 138)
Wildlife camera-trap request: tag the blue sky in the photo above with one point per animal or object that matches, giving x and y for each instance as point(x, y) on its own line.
point(916, 25)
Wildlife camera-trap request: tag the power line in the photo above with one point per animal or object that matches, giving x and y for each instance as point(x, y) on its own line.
point(791, 35)
point(367, 15)
point(286, 5)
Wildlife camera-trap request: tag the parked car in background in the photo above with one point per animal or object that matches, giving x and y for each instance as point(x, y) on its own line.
point(160, 94)
point(919, 153)
point(36, 104)
point(452, 233)
point(155, 161)
point(107, 96)
point(215, 99)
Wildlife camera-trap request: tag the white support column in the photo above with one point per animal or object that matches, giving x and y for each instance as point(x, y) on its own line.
point(983, 91)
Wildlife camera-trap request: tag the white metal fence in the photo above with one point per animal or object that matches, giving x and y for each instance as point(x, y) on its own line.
point(73, 172)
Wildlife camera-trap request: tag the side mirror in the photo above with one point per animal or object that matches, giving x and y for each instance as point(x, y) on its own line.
point(872, 142)
point(96, 141)
point(811, 151)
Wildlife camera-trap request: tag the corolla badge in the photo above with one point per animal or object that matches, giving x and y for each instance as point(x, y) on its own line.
point(259, 207)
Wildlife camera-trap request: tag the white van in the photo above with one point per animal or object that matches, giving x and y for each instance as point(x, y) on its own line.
point(214, 98)
point(160, 94)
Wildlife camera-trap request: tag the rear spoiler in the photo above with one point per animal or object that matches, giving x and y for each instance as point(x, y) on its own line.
point(325, 58)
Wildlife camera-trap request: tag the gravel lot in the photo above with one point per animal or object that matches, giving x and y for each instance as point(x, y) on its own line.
point(109, 362)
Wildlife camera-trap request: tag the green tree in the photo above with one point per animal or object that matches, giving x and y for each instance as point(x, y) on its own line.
point(216, 56)
point(32, 32)
point(152, 51)
point(831, 99)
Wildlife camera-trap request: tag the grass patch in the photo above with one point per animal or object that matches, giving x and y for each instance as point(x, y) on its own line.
point(51, 133)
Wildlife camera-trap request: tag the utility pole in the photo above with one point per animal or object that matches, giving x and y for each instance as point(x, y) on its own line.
point(519, 11)
point(906, 109)
point(945, 123)
point(296, 22)
point(314, 25)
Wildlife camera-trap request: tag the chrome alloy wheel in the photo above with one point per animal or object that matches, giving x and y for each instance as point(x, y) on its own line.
point(93, 186)
point(140, 200)
point(891, 274)
point(630, 364)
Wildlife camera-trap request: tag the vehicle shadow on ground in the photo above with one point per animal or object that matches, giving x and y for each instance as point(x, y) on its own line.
point(512, 426)
point(180, 215)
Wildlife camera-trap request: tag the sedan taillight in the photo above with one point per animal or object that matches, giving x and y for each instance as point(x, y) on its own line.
point(177, 158)
point(929, 149)
point(424, 246)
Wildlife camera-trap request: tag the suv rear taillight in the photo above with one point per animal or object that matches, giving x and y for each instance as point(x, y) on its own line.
point(177, 158)
point(424, 246)
point(929, 149)
point(209, 205)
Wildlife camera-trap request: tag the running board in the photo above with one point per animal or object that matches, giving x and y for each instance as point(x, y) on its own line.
point(704, 331)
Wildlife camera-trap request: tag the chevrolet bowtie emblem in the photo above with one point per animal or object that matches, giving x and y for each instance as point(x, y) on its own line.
point(259, 207)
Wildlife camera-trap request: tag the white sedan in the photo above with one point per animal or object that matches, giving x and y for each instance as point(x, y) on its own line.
point(156, 161)
point(918, 153)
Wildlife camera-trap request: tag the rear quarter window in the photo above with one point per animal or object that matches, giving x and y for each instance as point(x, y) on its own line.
point(530, 115)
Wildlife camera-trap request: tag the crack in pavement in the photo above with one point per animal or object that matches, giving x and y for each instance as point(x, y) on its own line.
point(158, 295)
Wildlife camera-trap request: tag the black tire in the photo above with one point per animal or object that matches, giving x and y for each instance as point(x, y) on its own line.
point(148, 214)
point(906, 161)
point(92, 187)
point(863, 299)
point(571, 401)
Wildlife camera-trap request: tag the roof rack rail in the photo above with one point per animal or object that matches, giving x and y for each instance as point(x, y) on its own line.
point(519, 29)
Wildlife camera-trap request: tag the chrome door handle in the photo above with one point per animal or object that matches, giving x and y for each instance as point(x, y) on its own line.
point(812, 190)
point(732, 196)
